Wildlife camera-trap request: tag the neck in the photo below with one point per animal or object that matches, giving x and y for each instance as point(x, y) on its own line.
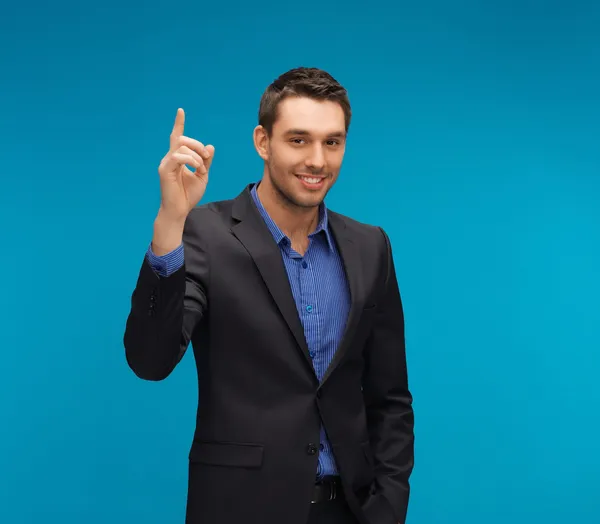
point(295, 221)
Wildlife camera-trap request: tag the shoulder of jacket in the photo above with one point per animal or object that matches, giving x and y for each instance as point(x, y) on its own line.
point(356, 226)
point(211, 210)
point(371, 238)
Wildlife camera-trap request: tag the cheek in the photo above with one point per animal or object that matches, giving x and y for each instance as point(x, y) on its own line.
point(279, 157)
point(289, 162)
point(335, 163)
point(282, 168)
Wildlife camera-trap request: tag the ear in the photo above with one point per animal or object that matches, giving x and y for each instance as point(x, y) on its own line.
point(261, 142)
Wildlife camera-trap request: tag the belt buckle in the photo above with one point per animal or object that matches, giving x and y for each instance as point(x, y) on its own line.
point(332, 492)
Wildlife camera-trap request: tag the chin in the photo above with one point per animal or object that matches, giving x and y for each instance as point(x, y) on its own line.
point(311, 199)
point(309, 202)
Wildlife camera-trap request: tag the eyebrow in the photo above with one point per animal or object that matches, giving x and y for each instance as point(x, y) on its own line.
point(303, 132)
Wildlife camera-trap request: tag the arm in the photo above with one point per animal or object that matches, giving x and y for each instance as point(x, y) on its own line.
point(167, 304)
point(388, 402)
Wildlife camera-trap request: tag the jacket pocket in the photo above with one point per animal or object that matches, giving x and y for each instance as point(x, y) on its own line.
point(227, 454)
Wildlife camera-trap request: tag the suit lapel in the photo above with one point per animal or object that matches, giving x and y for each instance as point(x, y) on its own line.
point(255, 236)
point(350, 254)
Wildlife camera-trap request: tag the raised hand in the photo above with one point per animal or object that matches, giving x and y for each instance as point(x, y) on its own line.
point(182, 188)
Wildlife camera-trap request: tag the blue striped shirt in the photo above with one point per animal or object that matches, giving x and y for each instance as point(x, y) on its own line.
point(320, 290)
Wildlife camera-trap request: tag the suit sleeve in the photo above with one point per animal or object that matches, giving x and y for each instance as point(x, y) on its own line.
point(165, 311)
point(389, 404)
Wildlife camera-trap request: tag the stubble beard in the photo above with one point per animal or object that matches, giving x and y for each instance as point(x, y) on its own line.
point(285, 197)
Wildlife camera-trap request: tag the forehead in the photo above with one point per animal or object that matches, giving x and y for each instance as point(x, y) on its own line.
point(314, 116)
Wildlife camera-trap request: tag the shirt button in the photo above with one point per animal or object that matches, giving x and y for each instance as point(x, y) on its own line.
point(322, 447)
point(312, 354)
point(309, 308)
point(304, 264)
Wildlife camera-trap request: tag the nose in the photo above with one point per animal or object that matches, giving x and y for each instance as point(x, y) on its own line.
point(315, 161)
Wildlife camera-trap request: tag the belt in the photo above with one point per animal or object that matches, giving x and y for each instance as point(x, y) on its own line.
point(327, 489)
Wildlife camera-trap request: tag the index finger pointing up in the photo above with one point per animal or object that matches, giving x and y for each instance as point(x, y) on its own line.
point(177, 127)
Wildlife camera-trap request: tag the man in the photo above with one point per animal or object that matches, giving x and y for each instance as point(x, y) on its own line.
point(296, 324)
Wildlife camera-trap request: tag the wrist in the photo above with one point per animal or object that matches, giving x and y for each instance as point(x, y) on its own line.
point(168, 234)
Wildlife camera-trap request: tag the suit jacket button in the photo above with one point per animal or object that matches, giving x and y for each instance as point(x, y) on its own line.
point(311, 449)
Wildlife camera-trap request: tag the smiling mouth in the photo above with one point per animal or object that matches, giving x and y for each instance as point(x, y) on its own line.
point(311, 180)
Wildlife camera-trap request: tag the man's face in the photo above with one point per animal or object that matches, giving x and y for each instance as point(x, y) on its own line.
point(305, 152)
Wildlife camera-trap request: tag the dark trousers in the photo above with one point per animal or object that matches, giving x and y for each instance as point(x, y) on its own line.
point(334, 512)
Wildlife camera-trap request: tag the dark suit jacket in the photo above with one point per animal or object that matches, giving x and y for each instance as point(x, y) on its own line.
point(253, 458)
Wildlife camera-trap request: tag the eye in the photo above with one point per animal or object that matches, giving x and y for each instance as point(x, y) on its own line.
point(333, 142)
point(297, 140)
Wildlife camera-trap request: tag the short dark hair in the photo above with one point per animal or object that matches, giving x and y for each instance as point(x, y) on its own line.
point(308, 82)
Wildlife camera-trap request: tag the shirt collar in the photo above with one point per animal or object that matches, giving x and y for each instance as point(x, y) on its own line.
point(278, 235)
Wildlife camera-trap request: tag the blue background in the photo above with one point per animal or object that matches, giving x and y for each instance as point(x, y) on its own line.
point(474, 144)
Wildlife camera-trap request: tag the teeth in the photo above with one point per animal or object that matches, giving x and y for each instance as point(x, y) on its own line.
point(311, 180)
